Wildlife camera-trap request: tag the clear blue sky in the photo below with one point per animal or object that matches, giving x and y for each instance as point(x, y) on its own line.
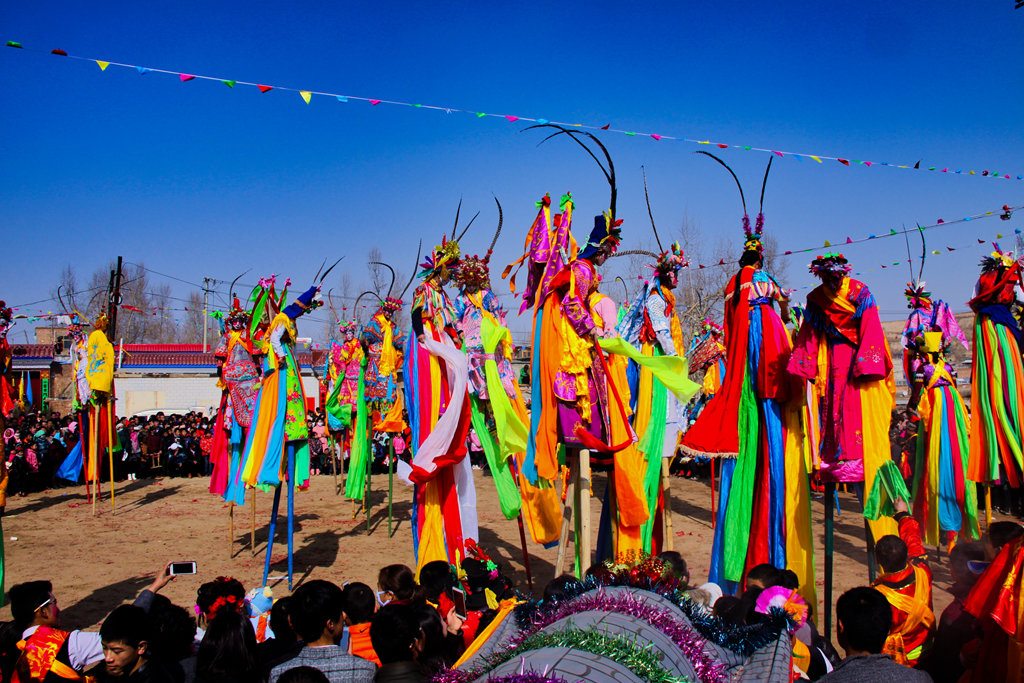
point(195, 179)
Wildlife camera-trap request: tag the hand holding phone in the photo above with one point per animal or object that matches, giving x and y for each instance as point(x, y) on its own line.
point(179, 568)
point(459, 598)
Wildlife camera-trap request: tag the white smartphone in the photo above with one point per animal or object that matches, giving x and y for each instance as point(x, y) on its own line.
point(178, 568)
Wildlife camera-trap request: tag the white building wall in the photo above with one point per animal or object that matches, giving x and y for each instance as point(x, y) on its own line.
point(182, 392)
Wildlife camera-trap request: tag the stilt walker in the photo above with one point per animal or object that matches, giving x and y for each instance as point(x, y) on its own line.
point(752, 425)
point(277, 448)
point(6, 408)
point(239, 380)
point(570, 415)
point(100, 375)
point(498, 411)
point(436, 379)
point(842, 349)
point(997, 377)
point(342, 371)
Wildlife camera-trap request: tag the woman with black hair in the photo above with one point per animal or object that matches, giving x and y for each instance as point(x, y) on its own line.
point(228, 651)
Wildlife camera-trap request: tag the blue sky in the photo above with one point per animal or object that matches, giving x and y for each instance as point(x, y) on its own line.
point(196, 179)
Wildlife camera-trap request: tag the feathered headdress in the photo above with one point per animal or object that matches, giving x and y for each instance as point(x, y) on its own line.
point(6, 314)
point(830, 263)
point(996, 260)
point(348, 325)
point(917, 297)
point(474, 270)
point(751, 238)
point(708, 325)
point(237, 314)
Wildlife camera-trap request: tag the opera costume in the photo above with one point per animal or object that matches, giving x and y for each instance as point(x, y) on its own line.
point(997, 377)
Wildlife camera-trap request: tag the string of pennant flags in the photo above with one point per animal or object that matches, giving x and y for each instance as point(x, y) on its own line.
point(308, 95)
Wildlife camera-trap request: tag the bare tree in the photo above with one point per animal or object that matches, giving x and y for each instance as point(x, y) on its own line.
point(192, 322)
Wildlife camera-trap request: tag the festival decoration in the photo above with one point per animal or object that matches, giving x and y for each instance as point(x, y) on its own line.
point(307, 96)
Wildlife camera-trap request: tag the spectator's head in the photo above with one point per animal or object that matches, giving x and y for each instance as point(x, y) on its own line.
point(962, 553)
point(33, 603)
point(125, 636)
point(221, 593)
point(280, 621)
point(789, 579)
point(676, 565)
point(431, 655)
point(358, 603)
point(316, 612)
point(173, 631)
point(558, 587)
point(729, 609)
point(435, 579)
point(396, 635)
point(891, 553)
point(228, 650)
point(998, 535)
point(864, 617)
point(303, 674)
point(396, 582)
point(763, 576)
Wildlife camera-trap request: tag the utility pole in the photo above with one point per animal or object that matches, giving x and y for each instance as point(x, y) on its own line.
point(206, 294)
point(115, 302)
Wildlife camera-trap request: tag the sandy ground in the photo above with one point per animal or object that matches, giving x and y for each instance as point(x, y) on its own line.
point(96, 562)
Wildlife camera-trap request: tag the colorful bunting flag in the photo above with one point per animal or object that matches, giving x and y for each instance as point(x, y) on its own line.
point(306, 95)
point(102, 65)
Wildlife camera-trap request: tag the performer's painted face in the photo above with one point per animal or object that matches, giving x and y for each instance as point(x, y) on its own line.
point(600, 256)
point(349, 334)
point(236, 324)
point(670, 280)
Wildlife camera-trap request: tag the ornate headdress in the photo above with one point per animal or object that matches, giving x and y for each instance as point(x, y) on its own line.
point(917, 297)
point(306, 302)
point(473, 270)
point(997, 259)
point(708, 325)
point(391, 304)
point(751, 238)
point(671, 260)
point(237, 314)
point(831, 262)
point(348, 325)
point(6, 314)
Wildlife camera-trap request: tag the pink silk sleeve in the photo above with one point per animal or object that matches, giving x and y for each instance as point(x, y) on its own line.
point(804, 360)
point(873, 361)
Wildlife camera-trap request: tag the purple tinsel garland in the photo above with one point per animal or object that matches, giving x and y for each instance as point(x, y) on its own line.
point(692, 645)
point(461, 676)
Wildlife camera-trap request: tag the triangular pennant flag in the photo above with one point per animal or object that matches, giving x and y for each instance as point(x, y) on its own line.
point(699, 266)
point(950, 249)
point(542, 121)
point(480, 114)
point(265, 88)
point(14, 43)
point(342, 98)
point(936, 251)
point(606, 126)
point(892, 231)
point(655, 136)
point(867, 163)
point(970, 173)
point(375, 102)
point(721, 262)
point(844, 162)
point(999, 235)
point(883, 266)
point(721, 146)
point(797, 157)
point(981, 241)
point(306, 95)
point(849, 241)
point(60, 52)
point(788, 253)
point(230, 84)
point(185, 77)
point(871, 236)
point(827, 244)
point(779, 153)
point(102, 65)
point(142, 70)
point(918, 164)
point(818, 159)
point(513, 119)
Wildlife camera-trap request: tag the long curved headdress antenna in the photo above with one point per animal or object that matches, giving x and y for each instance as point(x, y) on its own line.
point(61, 300)
point(648, 200)
point(318, 270)
point(463, 233)
point(924, 252)
point(609, 172)
point(231, 290)
point(742, 198)
point(381, 263)
point(330, 302)
point(415, 265)
point(625, 289)
point(764, 183)
point(355, 307)
point(635, 252)
point(501, 219)
point(456, 226)
point(324, 276)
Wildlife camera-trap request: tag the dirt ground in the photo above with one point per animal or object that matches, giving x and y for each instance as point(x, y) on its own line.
point(97, 562)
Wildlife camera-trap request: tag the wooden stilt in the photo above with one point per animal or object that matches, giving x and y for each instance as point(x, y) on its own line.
point(366, 496)
point(391, 479)
point(567, 510)
point(252, 529)
point(714, 510)
point(988, 506)
point(291, 512)
point(334, 459)
point(270, 532)
point(830, 504)
point(231, 528)
point(584, 554)
point(92, 458)
point(668, 540)
point(110, 449)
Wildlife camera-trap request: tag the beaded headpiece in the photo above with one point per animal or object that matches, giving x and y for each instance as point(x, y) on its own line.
point(997, 259)
point(831, 262)
point(671, 260)
point(917, 297)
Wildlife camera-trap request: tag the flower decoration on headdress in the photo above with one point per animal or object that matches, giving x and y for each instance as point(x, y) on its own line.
point(391, 304)
point(444, 257)
point(917, 297)
point(237, 315)
point(708, 325)
point(784, 598)
point(473, 270)
point(830, 263)
point(996, 260)
point(607, 234)
point(348, 325)
point(671, 260)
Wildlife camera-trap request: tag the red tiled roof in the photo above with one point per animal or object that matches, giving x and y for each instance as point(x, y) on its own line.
point(145, 359)
point(168, 348)
point(32, 350)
